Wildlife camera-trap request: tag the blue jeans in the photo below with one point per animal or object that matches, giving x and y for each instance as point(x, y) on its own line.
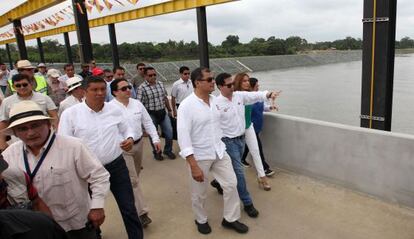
point(121, 188)
point(161, 118)
point(235, 148)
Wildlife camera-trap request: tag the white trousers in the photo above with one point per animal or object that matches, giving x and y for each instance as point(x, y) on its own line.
point(251, 141)
point(133, 160)
point(223, 172)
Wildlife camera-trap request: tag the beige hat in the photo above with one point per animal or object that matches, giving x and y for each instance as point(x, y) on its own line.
point(24, 64)
point(41, 65)
point(53, 73)
point(73, 83)
point(25, 111)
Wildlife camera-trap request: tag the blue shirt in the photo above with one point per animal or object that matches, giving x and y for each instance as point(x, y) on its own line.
point(257, 116)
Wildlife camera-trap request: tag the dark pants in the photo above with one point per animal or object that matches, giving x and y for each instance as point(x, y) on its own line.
point(246, 152)
point(160, 117)
point(83, 233)
point(121, 188)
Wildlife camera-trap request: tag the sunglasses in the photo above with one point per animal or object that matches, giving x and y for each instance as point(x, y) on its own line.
point(186, 73)
point(209, 80)
point(21, 85)
point(151, 75)
point(128, 87)
point(229, 85)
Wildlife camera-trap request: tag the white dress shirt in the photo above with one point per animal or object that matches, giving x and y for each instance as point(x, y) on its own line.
point(232, 117)
point(181, 89)
point(137, 116)
point(63, 178)
point(198, 128)
point(102, 131)
point(68, 102)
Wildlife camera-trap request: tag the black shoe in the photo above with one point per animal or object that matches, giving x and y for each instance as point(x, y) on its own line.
point(145, 220)
point(203, 228)
point(269, 172)
point(236, 225)
point(251, 211)
point(170, 155)
point(245, 164)
point(216, 185)
point(158, 156)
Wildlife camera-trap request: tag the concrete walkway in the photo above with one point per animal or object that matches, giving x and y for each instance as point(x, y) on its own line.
point(296, 207)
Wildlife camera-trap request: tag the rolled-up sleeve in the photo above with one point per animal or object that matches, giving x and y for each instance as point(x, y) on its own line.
point(90, 169)
point(183, 131)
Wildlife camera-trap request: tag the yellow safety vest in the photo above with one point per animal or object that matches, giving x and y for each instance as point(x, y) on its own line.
point(41, 85)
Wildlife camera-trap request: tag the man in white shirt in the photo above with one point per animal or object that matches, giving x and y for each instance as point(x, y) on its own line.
point(60, 168)
point(199, 137)
point(69, 70)
point(137, 116)
point(75, 92)
point(104, 130)
point(181, 89)
point(230, 106)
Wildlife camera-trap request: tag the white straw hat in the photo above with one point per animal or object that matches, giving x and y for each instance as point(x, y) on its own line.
point(25, 111)
point(53, 73)
point(25, 64)
point(73, 83)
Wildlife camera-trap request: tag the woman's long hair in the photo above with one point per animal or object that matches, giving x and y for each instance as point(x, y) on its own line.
point(238, 80)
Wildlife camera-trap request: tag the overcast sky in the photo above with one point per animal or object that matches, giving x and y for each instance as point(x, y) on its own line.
point(314, 20)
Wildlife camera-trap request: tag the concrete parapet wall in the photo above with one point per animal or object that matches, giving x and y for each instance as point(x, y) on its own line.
point(370, 161)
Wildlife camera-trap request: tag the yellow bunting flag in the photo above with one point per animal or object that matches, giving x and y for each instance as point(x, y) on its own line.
point(108, 4)
point(133, 1)
point(98, 6)
point(88, 7)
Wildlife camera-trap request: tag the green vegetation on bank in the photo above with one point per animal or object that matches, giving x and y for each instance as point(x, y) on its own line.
point(173, 50)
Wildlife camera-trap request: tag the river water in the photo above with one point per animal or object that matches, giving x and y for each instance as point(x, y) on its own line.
point(333, 92)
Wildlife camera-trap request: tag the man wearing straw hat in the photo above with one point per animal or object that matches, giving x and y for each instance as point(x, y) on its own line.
point(60, 167)
point(24, 224)
point(75, 92)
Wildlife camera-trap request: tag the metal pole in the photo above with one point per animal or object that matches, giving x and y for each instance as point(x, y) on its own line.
point(378, 63)
point(114, 45)
point(40, 48)
point(9, 56)
point(202, 37)
point(18, 32)
point(68, 48)
point(82, 31)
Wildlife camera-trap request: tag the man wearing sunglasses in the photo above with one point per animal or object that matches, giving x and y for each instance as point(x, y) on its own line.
point(199, 137)
point(139, 78)
point(153, 96)
point(138, 118)
point(24, 91)
point(39, 83)
point(181, 89)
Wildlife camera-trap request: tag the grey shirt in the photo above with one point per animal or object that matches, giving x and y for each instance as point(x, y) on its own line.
point(44, 101)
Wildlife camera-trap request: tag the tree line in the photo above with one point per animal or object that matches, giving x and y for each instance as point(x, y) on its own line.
point(173, 50)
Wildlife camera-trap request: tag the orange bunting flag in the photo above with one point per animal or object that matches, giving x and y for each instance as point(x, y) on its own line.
point(133, 1)
point(79, 8)
point(108, 4)
point(98, 6)
point(88, 7)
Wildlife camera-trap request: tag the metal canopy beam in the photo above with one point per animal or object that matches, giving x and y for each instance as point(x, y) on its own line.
point(144, 12)
point(21, 45)
point(202, 37)
point(68, 48)
point(378, 63)
point(9, 56)
point(82, 30)
point(114, 45)
point(40, 49)
point(26, 9)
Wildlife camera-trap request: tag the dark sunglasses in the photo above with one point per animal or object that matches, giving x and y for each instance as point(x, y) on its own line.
point(229, 85)
point(209, 80)
point(186, 73)
point(151, 75)
point(21, 85)
point(128, 87)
